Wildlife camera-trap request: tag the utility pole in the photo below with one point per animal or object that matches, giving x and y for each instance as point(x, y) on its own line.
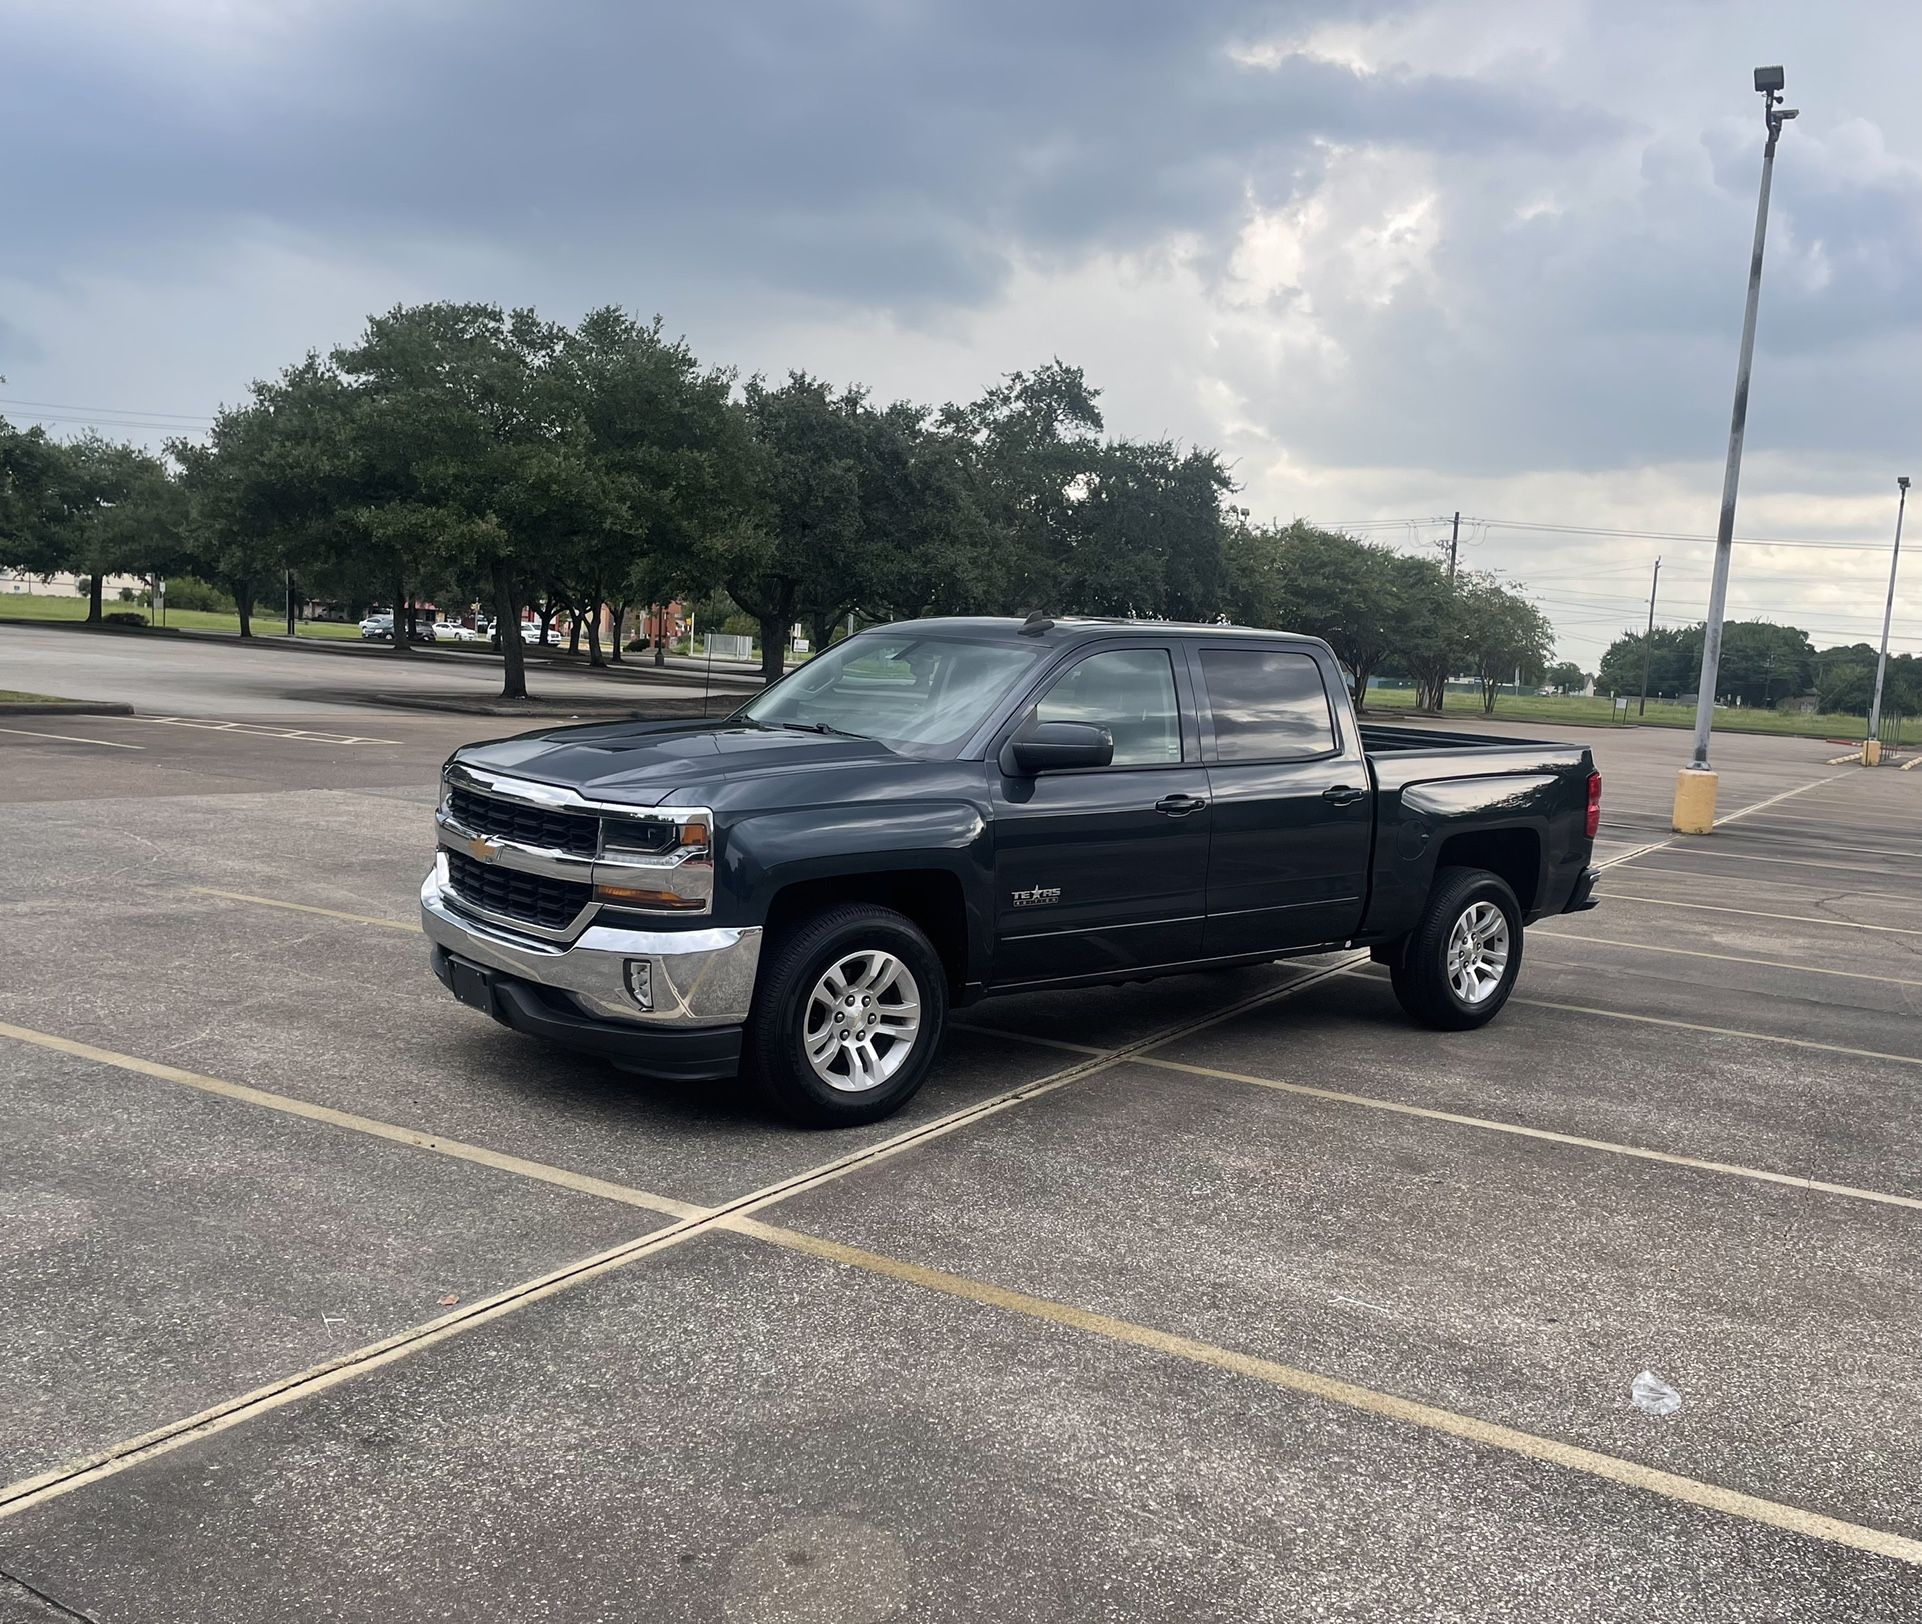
point(1648, 638)
point(1695, 784)
point(1872, 745)
point(1454, 541)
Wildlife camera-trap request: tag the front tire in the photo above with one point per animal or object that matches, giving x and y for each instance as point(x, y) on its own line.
point(847, 1016)
point(1459, 964)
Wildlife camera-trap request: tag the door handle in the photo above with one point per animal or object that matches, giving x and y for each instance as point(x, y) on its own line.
point(1179, 806)
point(1342, 794)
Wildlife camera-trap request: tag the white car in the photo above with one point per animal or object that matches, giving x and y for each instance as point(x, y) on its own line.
point(447, 631)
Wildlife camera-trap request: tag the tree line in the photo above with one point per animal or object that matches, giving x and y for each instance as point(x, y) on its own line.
point(1762, 663)
point(468, 452)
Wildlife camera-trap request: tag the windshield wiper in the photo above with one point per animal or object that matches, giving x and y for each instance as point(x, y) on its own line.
point(819, 727)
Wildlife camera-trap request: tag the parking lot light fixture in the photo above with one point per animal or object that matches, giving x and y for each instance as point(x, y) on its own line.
point(1695, 784)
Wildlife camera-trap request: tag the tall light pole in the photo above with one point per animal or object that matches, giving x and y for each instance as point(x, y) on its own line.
point(1695, 784)
point(1872, 746)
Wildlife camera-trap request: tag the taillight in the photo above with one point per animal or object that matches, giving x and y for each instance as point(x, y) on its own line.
point(1594, 804)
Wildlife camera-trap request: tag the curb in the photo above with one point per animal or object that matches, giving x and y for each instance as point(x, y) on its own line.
point(601, 710)
point(62, 707)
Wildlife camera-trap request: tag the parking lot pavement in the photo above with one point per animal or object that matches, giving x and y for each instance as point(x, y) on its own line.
point(168, 1249)
point(1229, 1296)
point(736, 1432)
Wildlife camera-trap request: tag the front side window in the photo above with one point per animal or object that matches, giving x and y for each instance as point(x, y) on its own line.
point(1130, 692)
point(920, 695)
point(1267, 705)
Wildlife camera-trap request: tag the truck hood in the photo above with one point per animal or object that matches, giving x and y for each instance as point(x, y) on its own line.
point(642, 763)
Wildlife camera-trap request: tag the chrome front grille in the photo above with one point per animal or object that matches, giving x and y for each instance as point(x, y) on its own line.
point(510, 893)
point(578, 834)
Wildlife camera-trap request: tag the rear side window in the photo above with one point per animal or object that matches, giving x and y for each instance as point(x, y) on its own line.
point(1267, 705)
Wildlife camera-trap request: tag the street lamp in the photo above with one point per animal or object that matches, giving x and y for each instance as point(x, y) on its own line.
point(1872, 745)
point(1695, 784)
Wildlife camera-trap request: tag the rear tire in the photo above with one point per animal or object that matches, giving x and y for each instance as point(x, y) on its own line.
point(1459, 964)
point(848, 1013)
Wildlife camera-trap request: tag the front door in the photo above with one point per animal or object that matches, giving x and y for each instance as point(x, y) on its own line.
point(1293, 815)
point(1104, 869)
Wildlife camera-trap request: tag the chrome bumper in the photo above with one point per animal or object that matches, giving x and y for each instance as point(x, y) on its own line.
point(697, 977)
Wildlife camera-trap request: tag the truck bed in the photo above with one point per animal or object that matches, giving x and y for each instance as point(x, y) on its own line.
point(1381, 739)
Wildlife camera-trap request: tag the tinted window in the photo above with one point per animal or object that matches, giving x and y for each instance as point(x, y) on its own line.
point(1131, 693)
point(918, 695)
point(1268, 706)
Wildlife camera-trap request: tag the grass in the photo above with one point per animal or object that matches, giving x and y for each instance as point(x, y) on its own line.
point(35, 606)
point(1599, 710)
point(13, 696)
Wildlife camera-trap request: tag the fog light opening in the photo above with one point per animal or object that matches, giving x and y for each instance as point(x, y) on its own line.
point(640, 983)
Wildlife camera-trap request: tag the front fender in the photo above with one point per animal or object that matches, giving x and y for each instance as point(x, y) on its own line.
point(769, 851)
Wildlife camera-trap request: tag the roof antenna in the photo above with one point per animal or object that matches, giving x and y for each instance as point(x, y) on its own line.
point(1036, 624)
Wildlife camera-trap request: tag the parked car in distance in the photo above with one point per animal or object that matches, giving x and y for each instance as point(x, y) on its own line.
point(939, 811)
point(451, 631)
point(380, 629)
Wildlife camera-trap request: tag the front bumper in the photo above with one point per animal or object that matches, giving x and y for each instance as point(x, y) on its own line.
point(700, 985)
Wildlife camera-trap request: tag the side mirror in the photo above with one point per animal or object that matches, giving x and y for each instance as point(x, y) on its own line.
point(1049, 747)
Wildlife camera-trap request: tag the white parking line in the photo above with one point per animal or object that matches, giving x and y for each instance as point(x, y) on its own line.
point(1750, 913)
point(70, 738)
point(257, 730)
point(1538, 934)
point(1751, 857)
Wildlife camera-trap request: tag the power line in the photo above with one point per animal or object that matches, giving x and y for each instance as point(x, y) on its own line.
point(107, 411)
point(1598, 530)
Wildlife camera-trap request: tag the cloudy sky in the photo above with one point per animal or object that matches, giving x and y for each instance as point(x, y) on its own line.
point(1392, 260)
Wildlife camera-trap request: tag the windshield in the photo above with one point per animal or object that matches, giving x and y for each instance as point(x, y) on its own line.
point(919, 695)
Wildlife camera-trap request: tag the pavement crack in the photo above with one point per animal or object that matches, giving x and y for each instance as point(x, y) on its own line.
point(39, 1595)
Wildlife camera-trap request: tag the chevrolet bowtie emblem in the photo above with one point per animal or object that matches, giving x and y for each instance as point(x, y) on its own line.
point(481, 849)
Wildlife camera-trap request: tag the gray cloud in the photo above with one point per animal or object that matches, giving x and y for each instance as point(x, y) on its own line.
point(1382, 254)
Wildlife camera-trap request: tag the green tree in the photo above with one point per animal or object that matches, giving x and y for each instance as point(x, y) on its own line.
point(1674, 662)
point(466, 443)
point(1427, 634)
point(799, 544)
point(119, 511)
point(1036, 442)
point(1343, 591)
point(33, 479)
point(1506, 635)
point(1566, 677)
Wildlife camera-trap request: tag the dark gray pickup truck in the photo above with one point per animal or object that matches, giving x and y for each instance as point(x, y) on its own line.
point(933, 812)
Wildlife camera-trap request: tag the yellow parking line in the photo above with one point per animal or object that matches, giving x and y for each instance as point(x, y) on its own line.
point(1538, 934)
point(1371, 1102)
point(306, 908)
point(1369, 1401)
point(1750, 913)
point(439, 1144)
point(72, 738)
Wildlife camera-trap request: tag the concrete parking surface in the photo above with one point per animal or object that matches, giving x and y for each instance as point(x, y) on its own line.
point(1229, 1297)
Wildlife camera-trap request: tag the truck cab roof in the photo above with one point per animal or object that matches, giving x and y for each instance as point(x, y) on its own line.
point(1070, 629)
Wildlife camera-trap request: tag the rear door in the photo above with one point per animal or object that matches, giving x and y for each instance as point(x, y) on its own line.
point(1104, 869)
point(1293, 816)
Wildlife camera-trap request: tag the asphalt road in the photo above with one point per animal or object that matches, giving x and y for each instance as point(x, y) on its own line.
point(272, 681)
point(1228, 1297)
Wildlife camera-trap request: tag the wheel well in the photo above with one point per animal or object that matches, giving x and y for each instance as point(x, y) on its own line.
point(1514, 854)
point(931, 897)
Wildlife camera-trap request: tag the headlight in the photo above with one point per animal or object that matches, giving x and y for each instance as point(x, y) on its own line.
point(658, 863)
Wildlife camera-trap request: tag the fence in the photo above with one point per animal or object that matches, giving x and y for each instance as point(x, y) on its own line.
point(727, 646)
